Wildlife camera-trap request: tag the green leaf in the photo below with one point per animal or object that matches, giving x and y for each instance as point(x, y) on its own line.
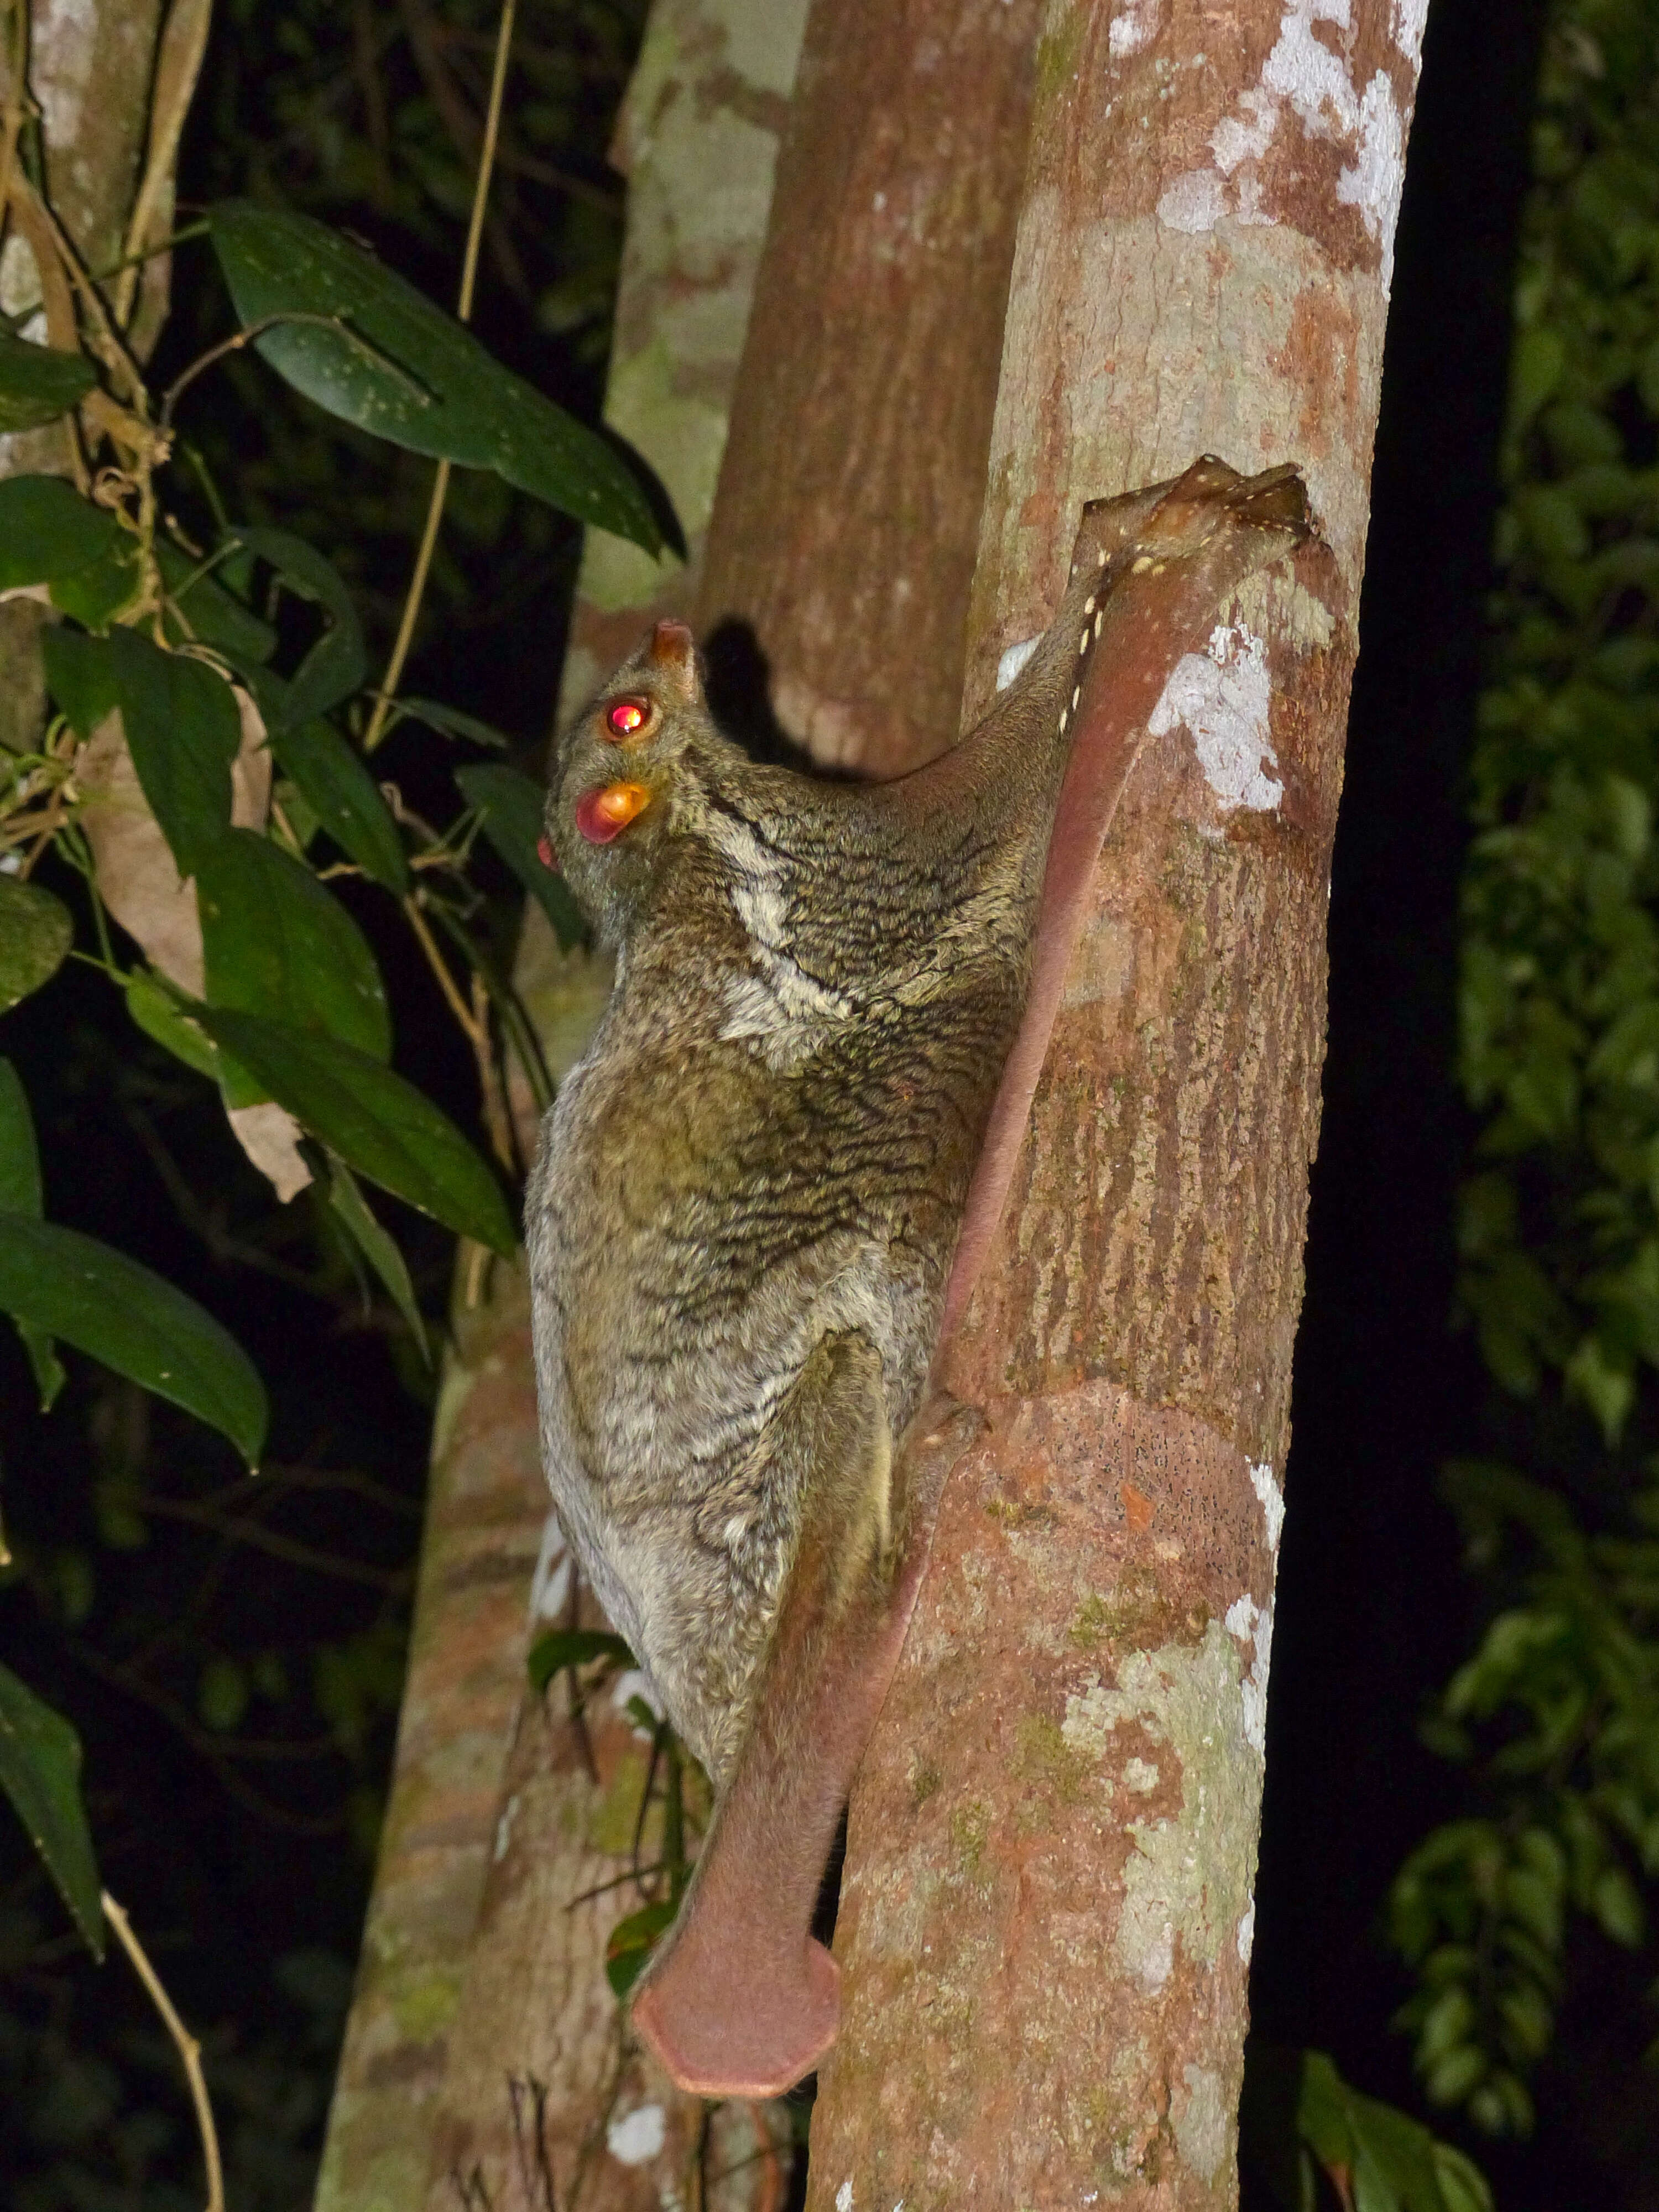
point(36, 932)
point(97, 1299)
point(627, 1953)
point(200, 607)
point(345, 798)
point(183, 732)
point(278, 944)
point(379, 1124)
point(450, 722)
point(377, 1246)
point(513, 809)
point(38, 384)
point(335, 666)
point(550, 1654)
point(40, 1772)
point(81, 676)
point(1462, 2186)
point(1535, 370)
point(20, 1193)
point(158, 1013)
point(402, 369)
point(49, 532)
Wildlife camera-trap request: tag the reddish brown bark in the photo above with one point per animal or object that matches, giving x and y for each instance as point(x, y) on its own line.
point(848, 517)
point(1046, 1916)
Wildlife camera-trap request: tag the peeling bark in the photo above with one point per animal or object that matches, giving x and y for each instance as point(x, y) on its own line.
point(1046, 1915)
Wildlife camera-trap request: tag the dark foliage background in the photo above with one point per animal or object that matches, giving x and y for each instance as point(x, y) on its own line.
point(232, 1658)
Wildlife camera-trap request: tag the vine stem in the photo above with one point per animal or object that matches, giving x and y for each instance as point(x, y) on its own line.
point(411, 613)
point(188, 2048)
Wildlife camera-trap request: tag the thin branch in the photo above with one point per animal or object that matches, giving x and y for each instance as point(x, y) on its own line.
point(188, 2049)
point(243, 1529)
point(376, 729)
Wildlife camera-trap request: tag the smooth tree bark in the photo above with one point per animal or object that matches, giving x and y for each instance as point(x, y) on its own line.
point(848, 519)
point(1046, 1916)
point(485, 2061)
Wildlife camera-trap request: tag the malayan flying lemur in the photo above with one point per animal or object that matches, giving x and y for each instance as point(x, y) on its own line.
point(768, 1185)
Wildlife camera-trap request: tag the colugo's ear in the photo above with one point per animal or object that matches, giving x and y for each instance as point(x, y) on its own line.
point(674, 650)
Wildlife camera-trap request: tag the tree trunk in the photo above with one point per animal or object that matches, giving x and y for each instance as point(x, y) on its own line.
point(113, 86)
point(1045, 1916)
point(848, 514)
point(484, 2061)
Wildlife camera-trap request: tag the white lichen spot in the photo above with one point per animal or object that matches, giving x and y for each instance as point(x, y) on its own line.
point(1375, 178)
point(1409, 17)
point(1201, 2124)
point(1222, 696)
point(844, 2197)
point(1195, 202)
point(1140, 1776)
point(1188, 1878)
point(1014, 659)
point(63, 44)
point(1156, 1961)
point(1245, 137)
point(19, 287)
point(550, 1586)
point(638, 2136)
point(504, 1827)
point(1253, 1625)
point(1132, 26)
point(1271, 1499)
point(1247, 1934)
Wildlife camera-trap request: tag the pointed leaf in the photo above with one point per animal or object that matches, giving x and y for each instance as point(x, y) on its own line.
point(36, 932)
point(81, 678)
point(40, 1772)
point(105, 1304)
point(513, 807)
point(335, 666)
point(402, 369)
point(20, 1193)
point(47, 530)
point(158, 1013)
point(182, 732)
point(550, 1654)
point(279, 943)
point(450, 722)
point(379, 1124)
point(345, 798)
point(377, 1246)
point(200, 607)
point(38, 384)
point(627, 1953)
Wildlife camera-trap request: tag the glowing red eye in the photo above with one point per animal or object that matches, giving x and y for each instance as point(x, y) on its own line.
point(625, 717)
point(546, 855)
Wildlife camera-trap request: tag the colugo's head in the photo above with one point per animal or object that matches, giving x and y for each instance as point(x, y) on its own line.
point(617, 774)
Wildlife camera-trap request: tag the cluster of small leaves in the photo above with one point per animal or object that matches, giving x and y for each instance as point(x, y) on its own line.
point(1558, 1712)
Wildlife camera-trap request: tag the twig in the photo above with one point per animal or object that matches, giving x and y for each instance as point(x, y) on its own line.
point(456, 1003)
point(183, 43)
point(188, 2049)
point(411, 613)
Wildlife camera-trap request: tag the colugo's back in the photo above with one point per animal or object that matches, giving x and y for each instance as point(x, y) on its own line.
point(770, 1179)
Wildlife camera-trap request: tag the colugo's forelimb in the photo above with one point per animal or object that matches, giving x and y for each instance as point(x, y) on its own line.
point(764, 1193)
